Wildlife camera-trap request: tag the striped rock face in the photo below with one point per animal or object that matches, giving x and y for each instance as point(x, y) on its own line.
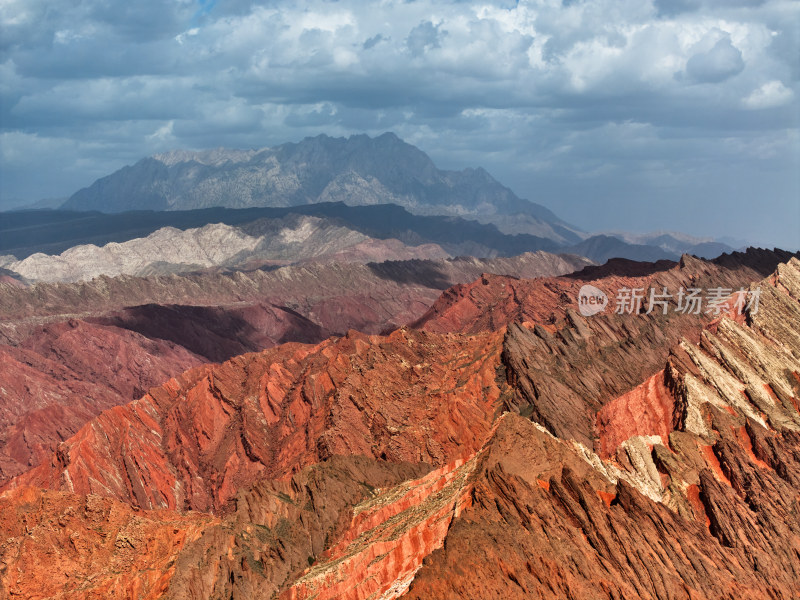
point(609, 456)
point(70, 351)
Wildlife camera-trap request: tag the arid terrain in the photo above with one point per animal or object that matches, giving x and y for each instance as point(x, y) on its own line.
point(72, 350)
point(499, 445)
point(399, 300)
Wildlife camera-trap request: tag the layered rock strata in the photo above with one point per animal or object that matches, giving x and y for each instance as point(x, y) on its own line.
point(490, 471)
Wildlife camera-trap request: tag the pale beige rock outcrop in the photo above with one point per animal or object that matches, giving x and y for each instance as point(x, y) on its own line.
point(170, 250)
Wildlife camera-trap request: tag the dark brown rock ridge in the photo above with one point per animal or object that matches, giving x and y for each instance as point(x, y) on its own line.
point(280, 527)
point(708, 509)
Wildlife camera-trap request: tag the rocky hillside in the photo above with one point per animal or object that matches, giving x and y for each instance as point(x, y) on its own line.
point(198, 440)
point(69, 351)
point(54, 231)
point(267, 242)
point(357, 171)
point(616, 456)
point(494, 302)
point(694, 494)
point(307, 288)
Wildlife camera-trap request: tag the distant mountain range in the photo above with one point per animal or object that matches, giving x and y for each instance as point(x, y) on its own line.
point(365, 233)
point(370, 188)
point(358, 171)
point(651, 248)
point(263, 243)
point(51, 232)
point(680, 243)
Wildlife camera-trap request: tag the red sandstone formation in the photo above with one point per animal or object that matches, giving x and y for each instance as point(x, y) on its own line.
point(192, 443)
point(492, 302)
point(55, 377)
point(520, 539)
point(387, 539)
point(279, 528)
point(72, 350)
point(57, 546)
point(646, 410)
point(693, 492)
point(703, 492)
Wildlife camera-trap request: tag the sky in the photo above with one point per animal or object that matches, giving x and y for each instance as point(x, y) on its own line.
point(638, 115)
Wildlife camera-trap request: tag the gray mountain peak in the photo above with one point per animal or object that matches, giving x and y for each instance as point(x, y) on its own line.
point(359, 170)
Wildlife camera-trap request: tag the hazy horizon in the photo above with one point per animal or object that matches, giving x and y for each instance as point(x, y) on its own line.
point(636, 116)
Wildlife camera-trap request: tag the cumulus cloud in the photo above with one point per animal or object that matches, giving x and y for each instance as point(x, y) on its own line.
point(423, 37)
point(631, 97)
point(769, 95)
point(722, 61)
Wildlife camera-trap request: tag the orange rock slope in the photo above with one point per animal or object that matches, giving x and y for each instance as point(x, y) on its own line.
point(69, 351)
point(58, 545)
point(192, 443)
point(614, 456)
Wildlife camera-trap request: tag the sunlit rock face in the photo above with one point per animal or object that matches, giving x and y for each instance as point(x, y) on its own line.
point(70, 351)
point(618, 455)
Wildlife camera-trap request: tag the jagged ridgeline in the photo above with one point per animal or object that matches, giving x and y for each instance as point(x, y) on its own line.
point(357, 171)
point(505, 447)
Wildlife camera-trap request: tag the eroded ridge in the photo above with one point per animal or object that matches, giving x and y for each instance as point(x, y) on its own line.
point(540, 460)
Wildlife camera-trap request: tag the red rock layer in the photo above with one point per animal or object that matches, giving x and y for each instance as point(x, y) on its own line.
point(388, 537)
point(646, 410)
point(57, 546)
point(523, 540)
point(192, 443)
point(56, 377)
point(60, 374)
point(279, 528)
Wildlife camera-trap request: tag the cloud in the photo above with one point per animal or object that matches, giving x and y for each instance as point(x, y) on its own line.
point(424, 37)
point(629, 98)
point(373, 41)
point(769, 95)
point(722, 61)
point(164, 133)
